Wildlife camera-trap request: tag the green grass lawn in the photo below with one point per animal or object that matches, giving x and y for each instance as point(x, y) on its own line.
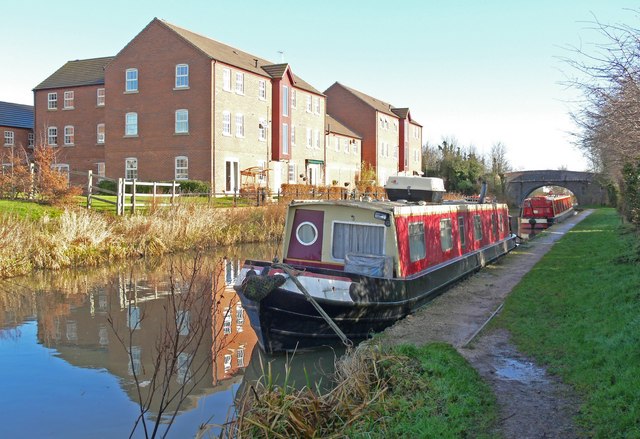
point(578, 312)
point(434, 393)
point(28, 209)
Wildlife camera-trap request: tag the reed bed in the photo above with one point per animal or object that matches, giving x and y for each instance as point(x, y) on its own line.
point(79, 237)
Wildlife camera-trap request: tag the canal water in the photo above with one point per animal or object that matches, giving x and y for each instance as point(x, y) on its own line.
point(84, 353)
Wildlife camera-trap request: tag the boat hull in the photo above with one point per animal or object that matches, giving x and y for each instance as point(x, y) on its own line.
point(285, 320)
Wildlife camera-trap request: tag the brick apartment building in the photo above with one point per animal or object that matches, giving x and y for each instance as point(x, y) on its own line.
point(383, 129)
point(16, 128)
point(70, 116)
point(342, 153)
point(175, 105)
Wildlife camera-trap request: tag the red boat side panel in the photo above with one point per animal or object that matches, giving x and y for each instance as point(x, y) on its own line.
point(494, 225)
point(298, 250)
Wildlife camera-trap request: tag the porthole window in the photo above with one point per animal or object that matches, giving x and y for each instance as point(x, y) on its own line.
point(306, 233)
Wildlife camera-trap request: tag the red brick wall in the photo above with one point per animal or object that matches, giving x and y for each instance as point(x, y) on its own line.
point(155, 52)
point(279, 119)
point(20, 136)
point(358, 116)
point(84, 117)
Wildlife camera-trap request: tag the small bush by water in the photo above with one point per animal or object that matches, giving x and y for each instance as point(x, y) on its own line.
point(578, 312)
point(406, 391)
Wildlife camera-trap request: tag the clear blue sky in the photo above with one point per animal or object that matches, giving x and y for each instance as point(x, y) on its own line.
point(479, 71)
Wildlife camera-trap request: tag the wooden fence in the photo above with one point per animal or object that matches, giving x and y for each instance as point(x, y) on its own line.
point(130, 190)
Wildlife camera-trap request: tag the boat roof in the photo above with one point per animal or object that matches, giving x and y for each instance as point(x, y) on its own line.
point(401, 208)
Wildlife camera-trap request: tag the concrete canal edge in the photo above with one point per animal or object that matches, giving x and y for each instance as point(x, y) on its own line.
point(532, 404)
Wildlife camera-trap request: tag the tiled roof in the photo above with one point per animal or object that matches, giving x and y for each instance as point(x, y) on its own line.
point(236, 57)
point(335, 126)
point(377, 104)
point(16, 115)
point(77, 73)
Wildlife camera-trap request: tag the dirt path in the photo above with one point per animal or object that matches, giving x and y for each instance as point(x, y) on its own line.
point(532, 403)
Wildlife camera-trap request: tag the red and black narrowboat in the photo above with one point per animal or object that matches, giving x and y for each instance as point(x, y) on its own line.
point(368, 263)
point(539, 213)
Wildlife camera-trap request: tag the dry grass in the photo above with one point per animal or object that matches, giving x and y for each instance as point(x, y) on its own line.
point(85, 238)
point(271, 411)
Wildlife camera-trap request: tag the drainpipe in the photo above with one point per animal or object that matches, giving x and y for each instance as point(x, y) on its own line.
point(212, 179)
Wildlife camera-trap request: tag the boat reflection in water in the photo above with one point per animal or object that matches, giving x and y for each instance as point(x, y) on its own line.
point(174, 335)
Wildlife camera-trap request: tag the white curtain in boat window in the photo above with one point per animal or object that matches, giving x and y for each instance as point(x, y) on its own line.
point(417, 245)
point(357, 238)
point(446, 234)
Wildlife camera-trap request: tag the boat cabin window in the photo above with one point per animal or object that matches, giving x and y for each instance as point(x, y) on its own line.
point(477, 227)
point(363, 239)
point(446, 235)
point(462, 232)
point(494, 224)
point(306, 233)
point(417, 245)
point(501, 222)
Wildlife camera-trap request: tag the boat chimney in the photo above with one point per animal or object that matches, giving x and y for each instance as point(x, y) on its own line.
point(483, 192)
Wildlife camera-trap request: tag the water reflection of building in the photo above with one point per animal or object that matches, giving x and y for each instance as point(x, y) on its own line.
point(122, 323)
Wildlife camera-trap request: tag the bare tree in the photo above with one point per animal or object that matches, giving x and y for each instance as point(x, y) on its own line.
point(187, 343)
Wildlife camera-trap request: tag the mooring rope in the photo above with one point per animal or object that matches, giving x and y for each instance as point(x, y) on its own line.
point(292, 274)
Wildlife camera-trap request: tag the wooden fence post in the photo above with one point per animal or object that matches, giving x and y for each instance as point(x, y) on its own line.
point(173, 192)
point(133, 196)
point(120, 198)
point(153, 196)
point(32, 173)
point(89, 188)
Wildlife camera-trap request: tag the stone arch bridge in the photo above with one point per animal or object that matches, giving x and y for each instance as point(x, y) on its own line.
point(586, 186)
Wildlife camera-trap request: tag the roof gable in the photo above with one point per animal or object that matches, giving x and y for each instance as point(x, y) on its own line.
point(372, 102)
point(77, 73)
point(16, 115)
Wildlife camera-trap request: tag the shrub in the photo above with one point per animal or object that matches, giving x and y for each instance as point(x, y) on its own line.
point(108, 185)
point(194, 186)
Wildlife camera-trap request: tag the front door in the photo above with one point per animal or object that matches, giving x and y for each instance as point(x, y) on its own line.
point(305, 242)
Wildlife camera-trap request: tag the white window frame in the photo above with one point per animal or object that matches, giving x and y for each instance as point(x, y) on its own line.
point(52, 101)
point(182, 121)
point(9, 138)
point(131, 80)
point(131, 124)
point(239, 88)
point(235, 176)
point(100, 169)
point(285, 100)
point(226, 79)
point(182, 76)
point(31, 140)
point(316, 105)
point(240, 357)
point(69, 135)
point(52, 136)
point(100, 97)
point(285, 138)
point(239, 125)
point(226, 123)
point(69, 98)
point(226, 325)
point(262, 89)
point(337, 143)
point(100, 134)
point(262, 129)
point(131, 168)
point(62, 168)
point(293, 135)
point(182, 168)
point(309, 106)
point(309, 138)
point(316, 139)
point(294, 100)
point(291, 173)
